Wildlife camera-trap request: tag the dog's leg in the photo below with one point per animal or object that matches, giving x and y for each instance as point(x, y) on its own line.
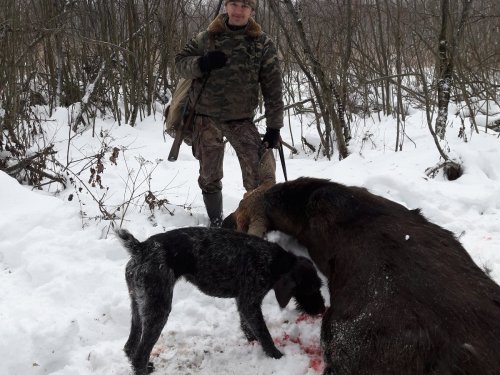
point(252, 315)
point(154, 307)
point(136, 326)
point(247, 330)
point(135, 329)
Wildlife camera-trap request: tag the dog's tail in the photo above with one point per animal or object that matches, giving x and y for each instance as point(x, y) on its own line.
point(130, 243)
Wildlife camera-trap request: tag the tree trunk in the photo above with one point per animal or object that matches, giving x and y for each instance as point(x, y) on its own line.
point(326, 93)
point(446, 55)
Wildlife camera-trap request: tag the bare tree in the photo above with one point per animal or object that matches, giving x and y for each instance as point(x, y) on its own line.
point(340, 58)
point(324, 88)
point(449, 41)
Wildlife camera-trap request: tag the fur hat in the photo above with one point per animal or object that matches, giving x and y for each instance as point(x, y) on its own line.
point(250, 3)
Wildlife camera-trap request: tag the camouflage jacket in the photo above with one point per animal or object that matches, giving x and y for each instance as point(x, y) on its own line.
point(232, 92)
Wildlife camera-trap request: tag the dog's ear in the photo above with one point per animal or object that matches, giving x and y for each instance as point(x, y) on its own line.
point(281, 267)
point(283, 289)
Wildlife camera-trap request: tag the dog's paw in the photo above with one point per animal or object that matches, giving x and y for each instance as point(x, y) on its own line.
point(250, 337)
point(151, 367)
point(274, 353)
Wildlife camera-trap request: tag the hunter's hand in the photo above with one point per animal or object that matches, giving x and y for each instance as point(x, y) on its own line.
point(271, 138)
point(212, 60)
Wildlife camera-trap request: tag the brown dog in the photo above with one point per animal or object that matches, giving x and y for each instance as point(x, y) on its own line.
point(405, 296)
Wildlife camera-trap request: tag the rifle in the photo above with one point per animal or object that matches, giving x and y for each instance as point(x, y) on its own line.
point(179, 136)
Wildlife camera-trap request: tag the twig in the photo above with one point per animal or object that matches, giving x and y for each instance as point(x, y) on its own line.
point(285, 108)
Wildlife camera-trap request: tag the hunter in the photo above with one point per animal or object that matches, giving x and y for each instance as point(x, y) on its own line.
point(229, 63)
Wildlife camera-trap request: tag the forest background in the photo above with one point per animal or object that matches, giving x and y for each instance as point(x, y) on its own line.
point(341, 59)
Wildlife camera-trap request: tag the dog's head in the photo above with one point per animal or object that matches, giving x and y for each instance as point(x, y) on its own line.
point(303, 284)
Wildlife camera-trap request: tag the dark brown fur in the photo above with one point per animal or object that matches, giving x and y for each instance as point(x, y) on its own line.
point(406, 297)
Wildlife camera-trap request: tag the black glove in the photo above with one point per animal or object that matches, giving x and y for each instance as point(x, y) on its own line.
point(271, 138)
point(212, 60)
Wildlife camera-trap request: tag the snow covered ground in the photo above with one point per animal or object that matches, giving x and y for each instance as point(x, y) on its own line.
point(64, 306)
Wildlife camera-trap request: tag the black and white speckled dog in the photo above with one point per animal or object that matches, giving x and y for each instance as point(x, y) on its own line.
point(220, 263)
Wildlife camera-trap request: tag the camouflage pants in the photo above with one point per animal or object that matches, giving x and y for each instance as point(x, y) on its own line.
point(208, 148)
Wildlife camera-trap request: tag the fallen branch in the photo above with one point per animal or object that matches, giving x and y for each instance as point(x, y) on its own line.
point(311, 147)
point(285, 108)
point(35, 164)
point(22, 164)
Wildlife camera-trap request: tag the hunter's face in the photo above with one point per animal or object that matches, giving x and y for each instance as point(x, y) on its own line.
point(238, 12)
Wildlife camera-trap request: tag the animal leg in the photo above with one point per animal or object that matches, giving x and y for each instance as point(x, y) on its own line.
point(252, 315)
point(154, 310)
point(247, 330)
point(135, 330)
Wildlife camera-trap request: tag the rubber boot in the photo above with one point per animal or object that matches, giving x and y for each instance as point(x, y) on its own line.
point(213, 204)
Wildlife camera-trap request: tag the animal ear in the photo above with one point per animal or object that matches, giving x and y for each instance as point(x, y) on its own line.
point(283, 289)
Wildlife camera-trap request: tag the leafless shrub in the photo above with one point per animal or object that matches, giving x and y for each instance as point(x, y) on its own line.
point(349, 57)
